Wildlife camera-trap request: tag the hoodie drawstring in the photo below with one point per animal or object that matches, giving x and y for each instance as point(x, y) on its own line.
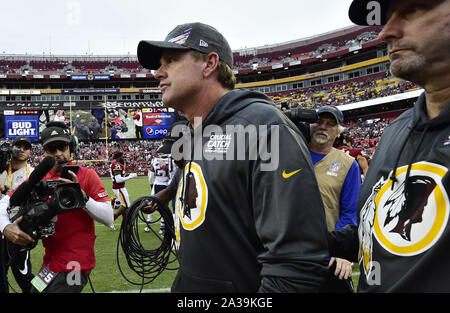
point(393, 176)
point(416, 151)
point(394, 173)
point(185, 186)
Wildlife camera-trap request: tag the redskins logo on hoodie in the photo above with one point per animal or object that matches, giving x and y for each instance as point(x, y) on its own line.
point(408, 218)
point(192, 199)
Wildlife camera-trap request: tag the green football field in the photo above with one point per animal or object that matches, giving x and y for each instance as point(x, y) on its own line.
point(106, 276)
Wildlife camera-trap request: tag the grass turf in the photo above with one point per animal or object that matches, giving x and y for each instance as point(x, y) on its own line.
point(106, 276)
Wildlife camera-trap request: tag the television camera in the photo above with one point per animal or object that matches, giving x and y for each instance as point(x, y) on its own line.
point(40, 202)
point(6, 153)
point(302, 118)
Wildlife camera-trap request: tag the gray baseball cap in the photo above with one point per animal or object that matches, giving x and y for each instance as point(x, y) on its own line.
point(334, 111)
point(191, 36)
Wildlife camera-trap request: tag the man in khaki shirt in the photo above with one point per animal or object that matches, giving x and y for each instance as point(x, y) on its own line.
point(339, 182)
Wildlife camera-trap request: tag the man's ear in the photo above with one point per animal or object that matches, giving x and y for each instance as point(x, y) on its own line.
point(211, 63)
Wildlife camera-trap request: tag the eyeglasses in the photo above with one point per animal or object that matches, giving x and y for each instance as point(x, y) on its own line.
point(52, 148)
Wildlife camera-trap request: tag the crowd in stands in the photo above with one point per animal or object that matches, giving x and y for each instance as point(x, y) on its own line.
point(343, 93)
point(137, 154)
point(66, 66)
point(367, 133)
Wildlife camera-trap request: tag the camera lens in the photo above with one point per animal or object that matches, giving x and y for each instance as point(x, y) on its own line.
point(67, 198)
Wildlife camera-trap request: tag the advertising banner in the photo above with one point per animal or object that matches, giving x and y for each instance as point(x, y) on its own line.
point(101, 77)
point(22, 125)
point(78, 77)
point(81, 105)
point(158, 119)
point(155, 131)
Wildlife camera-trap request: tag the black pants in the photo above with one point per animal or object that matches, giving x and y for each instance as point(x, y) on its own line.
point(21, 269)
point(60, 284)
point(19, 261)
point(4, 288)
point(139, 130)
point(333, 284)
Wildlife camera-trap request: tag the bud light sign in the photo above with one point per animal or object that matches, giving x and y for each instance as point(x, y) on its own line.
point(22, 125)
point(155, 131)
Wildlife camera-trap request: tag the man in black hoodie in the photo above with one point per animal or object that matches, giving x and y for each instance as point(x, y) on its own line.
point(403, 235)
point(255, 221)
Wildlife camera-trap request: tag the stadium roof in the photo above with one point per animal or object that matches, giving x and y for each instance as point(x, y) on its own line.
point(296, 41)
point(377, 101)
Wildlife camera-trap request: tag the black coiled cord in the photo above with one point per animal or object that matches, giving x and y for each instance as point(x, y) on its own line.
point(146, 263)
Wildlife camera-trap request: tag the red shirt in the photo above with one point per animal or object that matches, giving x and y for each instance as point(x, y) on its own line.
point(137, 117)
point(75, 231)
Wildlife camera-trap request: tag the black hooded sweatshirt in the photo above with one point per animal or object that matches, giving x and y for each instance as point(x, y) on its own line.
point(243, 227)
point(403, 237)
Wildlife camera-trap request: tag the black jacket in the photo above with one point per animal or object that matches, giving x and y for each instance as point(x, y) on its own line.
point(403, 235)
point(251, 229)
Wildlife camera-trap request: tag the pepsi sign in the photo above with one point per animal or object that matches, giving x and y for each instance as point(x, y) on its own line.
point(155, 131)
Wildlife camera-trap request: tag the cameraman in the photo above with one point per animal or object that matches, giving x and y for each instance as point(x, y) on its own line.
point(15, 173)
point(69, 253)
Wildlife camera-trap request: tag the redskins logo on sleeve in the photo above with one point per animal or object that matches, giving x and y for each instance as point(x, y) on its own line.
point(407, 219)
